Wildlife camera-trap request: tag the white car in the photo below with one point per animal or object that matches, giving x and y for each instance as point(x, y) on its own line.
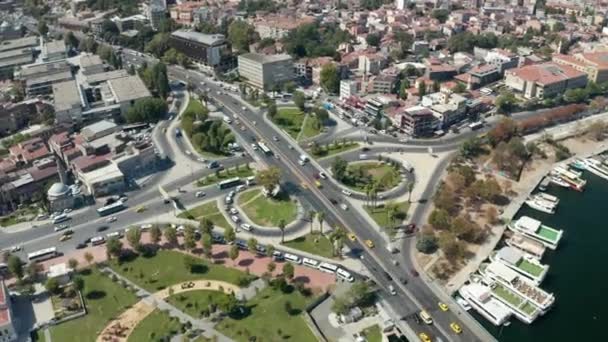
point(322, 175)
point(199, 194)
point(235, 219)
point(16, 248)
point(111, 219)
point(188, 152)
point(247, 227)
point(145, 226)
point(346, 192)
point(67, 210)
point(254, 147)
point(201, 159)
point(233, 211)
point(344, 206)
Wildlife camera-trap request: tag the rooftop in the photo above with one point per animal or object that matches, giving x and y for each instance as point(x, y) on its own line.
point(128, 88)
point(546, 73)
point(261, 58)
point(105, 76)
point(207, 39)
point(107, 172)
point(66, 95)
point(24, 42)
point(92, 130)
point(56, 46)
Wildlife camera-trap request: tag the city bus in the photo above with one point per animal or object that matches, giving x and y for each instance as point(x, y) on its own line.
point(43, 254)
point(264, 148)
point(228, 183)
point(111, 208)
point(60, 218)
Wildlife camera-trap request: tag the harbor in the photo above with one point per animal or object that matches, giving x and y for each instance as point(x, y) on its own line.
point(535, 280)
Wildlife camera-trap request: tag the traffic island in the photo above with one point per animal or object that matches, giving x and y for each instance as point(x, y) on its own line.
point(384, 176)
point(268, 211)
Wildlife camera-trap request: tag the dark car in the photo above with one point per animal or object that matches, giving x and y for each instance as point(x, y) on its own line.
point(403, 280)
point(242, 245)
point(81, 245)
point(102, 228)
point(416, 318)
point(88, 240)
point(333, 201)
point(414, 272)
point(388, 276)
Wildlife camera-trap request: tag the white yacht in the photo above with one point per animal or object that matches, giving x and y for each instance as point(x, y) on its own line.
point(519, 262)
point(572, 177)
point(557, 180)
point(529, 247)
point(596, 167)
point(535, 230)
point(547, 197)
point(480, 298)
point(539, 204)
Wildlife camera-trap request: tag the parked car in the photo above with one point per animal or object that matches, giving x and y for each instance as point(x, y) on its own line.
point(199, 194)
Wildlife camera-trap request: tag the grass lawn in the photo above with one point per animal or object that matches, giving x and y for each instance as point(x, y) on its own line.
point(194, 105)
point(39, 336)
point(312, 243)
point(373, 334)
point(268, 212)
point(290, 120)
point(242, 172)
point(249, 195)
point(372, 172)
point(104, 300)
point(209, 211)
point(154, 327)
point(380, 214)
point(531, 268)
point(508, 295)
point(331, 149)
point(25, 214)
point(268, 319)
point(169, 268)
point(311, 127)
point(193, 302)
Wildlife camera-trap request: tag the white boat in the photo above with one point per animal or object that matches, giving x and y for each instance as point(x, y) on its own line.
point(547, 197)
point(519, 262)
point(529, 247)
point(540, 205)
point(463, 303)
point(559, 181)
point(480, 298)
point(535, 230)
point(572, 177)
point(596, 167)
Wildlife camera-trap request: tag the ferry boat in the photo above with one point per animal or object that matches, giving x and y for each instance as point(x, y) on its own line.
point(480, 298)
point(573, 178)
point(535, 230)
point(559, 181)
point(498, 272)
point(529, 247)
point(541, 205)
point(526, 266)
point(578, 164)
point(596, 167)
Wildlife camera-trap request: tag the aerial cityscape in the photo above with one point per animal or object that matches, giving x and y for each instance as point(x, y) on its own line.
point(335, 171)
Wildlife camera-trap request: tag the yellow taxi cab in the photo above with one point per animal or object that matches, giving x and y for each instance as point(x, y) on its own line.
point(443, 306)
point(318, 184)
point(369, 243)
point(304, 185)
point(140, 209)
point(65, 237)
point(457, 329)
point(352, 237)
point(424, 337)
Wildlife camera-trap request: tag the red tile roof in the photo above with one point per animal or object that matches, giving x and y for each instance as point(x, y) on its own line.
point(87, 163)
point(546, 73)
point(4, 312)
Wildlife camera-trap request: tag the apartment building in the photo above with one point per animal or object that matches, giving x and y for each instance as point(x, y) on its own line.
point(544, 80)
point(265, 71)
point(594, 64)
point(209, 49)
point(8, 332)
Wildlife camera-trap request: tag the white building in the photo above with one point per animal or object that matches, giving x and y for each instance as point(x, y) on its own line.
point(7, 328)
point(348, 88)
point(265, 71)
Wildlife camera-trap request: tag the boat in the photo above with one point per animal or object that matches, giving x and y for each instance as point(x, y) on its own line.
point(535, 230)
point(544, 184)
point(480, 298)
point(559, 181)
point(596, 167)
point(548, 197)
point(519, 262)
point(463, 303)
point(578, 164)
point(573, 178)
point(540, 205)
point(529, 247)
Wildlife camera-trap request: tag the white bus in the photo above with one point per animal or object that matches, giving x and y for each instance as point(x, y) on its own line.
point(117, 235)
point(310, 262)
point(328, 268)
point(111, 208)
point(264, 148)
point(342, 274)
point(250, 181)
point(60, 218)
point(98, 240)
point(293, 258)
point(43, 254)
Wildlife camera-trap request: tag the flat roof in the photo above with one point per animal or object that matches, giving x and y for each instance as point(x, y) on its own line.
point(15, 53)
point(502, 271)
point(17, 61)
point(108, 172)
point(261, 58)
point(97, 127)
point(32, 69)
point(24, 42)
point(64, 75)
point(90, 60)
point(105, 76)
point(510, 255)
point(66, 95)
point(128, 88)
point(207, 39)
point(56, 46)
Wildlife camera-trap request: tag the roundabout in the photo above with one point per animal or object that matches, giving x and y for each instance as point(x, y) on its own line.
point(265, 211)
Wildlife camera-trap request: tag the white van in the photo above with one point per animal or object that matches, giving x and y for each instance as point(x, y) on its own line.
point(98, 240)
point(293, 258)
point(227, 120)
point(310, 262)
point(345, 275)
point(328, 268)
point(426, 318)
point(363, 156)
point(407, 166)
point(250, 181)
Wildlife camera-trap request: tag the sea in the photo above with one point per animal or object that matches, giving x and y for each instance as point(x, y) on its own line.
point(578, 273)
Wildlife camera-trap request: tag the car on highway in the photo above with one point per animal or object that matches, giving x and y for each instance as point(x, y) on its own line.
point(61, 227)
point(81, 245)
point(140, 209)
point(369, 243)
point(346, 192)
point(425, 317)
point(322, 175)
point(233, 211)
point(199, 194)
point(414, 272)
point(352, 237)
point(213, 164)
point(344, 206)
point(275, 138)
point(111, 219)
point(68, 232)
point(16, 248)
point(391, 290)
point(455, 327)
point(247, 227)
point(65, 237)
point(102, 228)
point(201, 159)
point(333, 201)
point(424, 337)
point(235, 219)
point(443, 306)
point(318, 184)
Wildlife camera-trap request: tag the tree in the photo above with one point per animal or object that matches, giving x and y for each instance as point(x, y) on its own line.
point(452, 248)
point(373, 39)
point(207, 243)
point(233, 253)
point(471, 148)
point(421, 89)
point(506, 102)
point(134, 238)
point(43, 28)
point(311, 218)
point(321, 219)
point(206, 226)
point(288, 271)
point(78, 283)
point(189, 238)
point(252, 245)
point(73, 263)
point(146, 110)
point(171, 236)
point(504, 130)
point(426, 243)
point(440, 14)
point(440, 219)
point(229, 234)
point(272, 109)
point(70, 40)
point(269, 178)
point(15, 266)
point(270, 250)
point(459, 88)
point(271, 266)
point(52, 285)
point(282, 228)
point(33, 269)
point(155, 234)
point(241, 35)
point(339, 167)
point(89, 258)
point(158, 45)
point(113, 247)
point(403, 87)
point(161, 80)
point(300, 100)
point(330, 79)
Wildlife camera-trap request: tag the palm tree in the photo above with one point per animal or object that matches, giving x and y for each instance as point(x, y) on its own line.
point(337, 240)
point(321, 218)
point(368, 193)
point(410, 187)
point(282, 228)
point(391, 210)
point(311, 218)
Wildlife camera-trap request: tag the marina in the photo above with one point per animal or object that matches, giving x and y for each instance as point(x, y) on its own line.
point(535, 230)
point(526, 266)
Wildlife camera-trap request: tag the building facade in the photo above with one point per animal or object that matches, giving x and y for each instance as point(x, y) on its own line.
point(544, 80)
point(265, 71)
point(209, 49)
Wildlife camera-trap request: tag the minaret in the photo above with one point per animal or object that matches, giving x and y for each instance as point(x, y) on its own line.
point(63, 178)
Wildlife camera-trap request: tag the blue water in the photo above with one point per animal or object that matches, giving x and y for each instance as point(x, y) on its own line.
point(578, 273)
